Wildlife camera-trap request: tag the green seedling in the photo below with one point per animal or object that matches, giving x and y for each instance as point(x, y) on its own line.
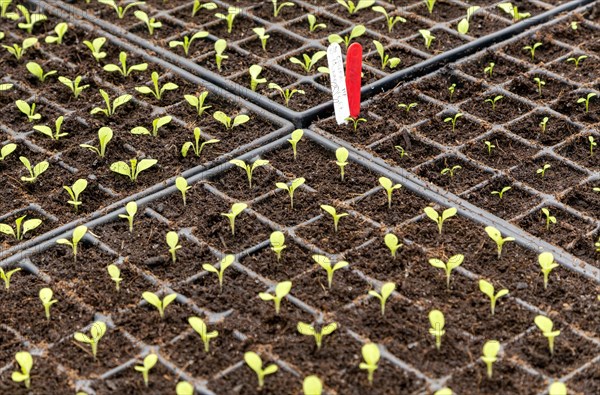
point(30, 19)
point(341, 154)
point(577, 60)
point(158, 91)
point(115, 275)
point(6, 150)
point(391, 242)
point(255, 79)
point(389, 187)
point(489, 146)
point(355, 33)
point(4, 8)
point(25, 362)
point(197, 102)
point(557, 388)
point(278, 7)
point(173, 243)
point(544, 124)
point(220, 47)
point(540, 84)
point(494, 101)
point(295, 184)
point(451, 90)
point(133, 169)
point(232, 12)
point(282, 289)
point(532, 49)
point(54, 135)
point(183, 387)
point(123, 69)
point(586, 100)
point(262, 35)
point(313, 25)
point(453, 120)
point(354, 6)
point(549, 218)
point(120, 10)
point(513, 11)
point(160, 305)
point(407, 107)
point(201, 329)
point(151, 23)
point(110, 109)
point(490, 355)
point(542, 171)
point(104, 136)
point(355, 121)
point(187, 41)
point(593, 143)
point(325, 263)
point(385, 58)
point(439, 219)
point(199, 6)
point(547, 264)
point(286, 94)
point(17, 50)
point(427, 36)
point(230, 122)
point(77, 235)
point(309, 61)
point(546, 325)
point(488, 290)
point(28, 110)
point(437, 323)
point(256, 364)
point(310, 330)
point(312, 385)
point(454, 262)
point(37, 71)
point(489, 70)
point(225, 263)
point(34, 171)
point(95, 46)
point(277, 240)
point(450, 170)
point(444, 391)
point(386, 291)
point(336, 217)
point(401, 151)
point(294, 140)
point(496, 236)
point(196, 147)
point(156, 124)
point(97, 331)
point(74, 191)
point(5, 276)
point(73, 85)
point(249, 168)
point(464, 24)
point(46, 295)
point(182, 186)
point(149, 362)
point(236, 209)
point(390, 20)
point(21, 227)
point(370, 353)
point(5, 87)
point(429, 4)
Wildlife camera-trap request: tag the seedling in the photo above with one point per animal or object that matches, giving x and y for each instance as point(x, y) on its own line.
point(277, 240)
point(158, 91)
point(196, 146)
point(236, 209)
point(401, 151)
point(451, 90)
point(78, 234)
point(38, 72)
point(312, 385)
point(232, 12)
point(96, 47)
point(391, 242)
point(336, 217)
point(557, 388)
point(21, 227)
point(325, 263)
point(513, 11)
point(286, 94)
point(549, 218)
point(354, 6)
point(4, 8)
point(198, 6)
point(389, 187)
point(407, 107)
point(151, 23)
point(54, 135)
point(156, 124)
point(134, 168)
point(97, 331)
point(278, 7)
point(197, 102)
point(74, 191)
point(489, 70)
point(310, 330)
point(370, 353)
point(540, 84)
point(427, 36)
point(386, 291)
point(592, 144)
point(547, 264)
point(355, 121)
point(490, 353)
point(73, 85)
point(531, 49)
point(19, 50)
point(262, 36)
point(187, 41)
point(120, 10)
point(586, 100)
point(450, 170)
point(577, 60)
point(356, 32)
point(6, 150)
point(489, 146)
point(149, 362)
point(200, 327)
point(5, 276)
point(309, 61)
point(542, 171)
point(220, 47)
point(546, 325)
point(295, 139)
point(34, 171)
point(25, 362)
point(444, 391)
point(230, 122)
point(123, 69)
point(439, 220)
point(437, 322)
point(173, 243)
point(390, 20)
point(182, 186)
point(30, 19)
point(488, 290)
point(454, 262)
point(341, 154)
point(115, 275)
point(28, 110)
point(256, 364)
point(295, 184)
point(255, 79)
point(385, 58)
point(494, 101)
point(544, 124)
point(313, 25)
point(453, 120)
point(429, 4)
point(104, 136)
point(463, 25)
point(183, 387)
point(155, 301)
point(47, 301)
point(496, 236)
point(110, 109)
point(225, 263)
point(249, 168)
point(281, 290)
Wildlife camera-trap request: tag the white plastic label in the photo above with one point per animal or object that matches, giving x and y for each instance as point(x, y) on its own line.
point(338, 83)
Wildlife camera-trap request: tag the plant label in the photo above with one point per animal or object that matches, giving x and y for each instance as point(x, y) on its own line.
point(338, 83)
point(353, 78)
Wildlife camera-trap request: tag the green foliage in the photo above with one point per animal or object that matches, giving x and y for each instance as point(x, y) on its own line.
point(451, 90)
point(74, 191)
point(46, 295)
point(255, 363)
point(28, 110)
point(96, 47)
point(198, 6)
point(325, 263)
point(312, 385)
point(546, 325)
point(489, 70)
point(6, 150)
point(25, 362)
point(97, 331)
point(249, 169)
point(370, 353)
point(196, 147)
point(308, 62)
point(440, 219)
point(488, 290)
point(158, 90)
point(494, 101)
point(232, 12)
point(173, 243)
point(532, 48)
point(131, 210)
point(262, 36)
point(542, 171)
point(151, 23)
point(549, 218)
point(547, 264)
point(489, 146)
point(54, 135)
point(490, 352)
point(278, 7)
point(501, 192)
point(454, 262)
point(19, 50)
point(355, 121)
point(115, 275)
point(427, 36)
point(408, 106)
point(73, 85)
point(77, 235)
point(586, 100)
point(429, 4)
point(437, 323)
point(544, 124)
point(593, 143)
point(336, 217)
point(295, 139)
point(389, 188)
point(236, 209)
point(224, 264)
point(277, 240)
point(513, 11)
point(30, 19)
point(282, 289)
point(463, 25)
point(220, 47)
point(385, 58)
point(201, 329)
point(496, 236)
point(354, 6)
point(34, 171)
point(187, 41)
point(230, 122)
point(183, 387)
point(60, 30)
point(341, 155)
point(5, 276)
point(313, 25)
point(286, 94)
point(21, 227)
point(182, 186)
point(390, 20)
point(156, 124)
point(453, 120)
point(310, 330)
point(392, 243)
point(577, 60)
point(119, 9)
point(540, 84)
point(557, 388)
point(386, 291)
point(295, 184)
point(105, 134)
point(133, 169)
point(149, 362)
point(161, 305)
point(255, 79)
point(356, 32)
point(110, 108)
point(197, 102)
point(123, 69)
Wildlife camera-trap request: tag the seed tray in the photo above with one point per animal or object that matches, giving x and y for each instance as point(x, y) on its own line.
point(290, 33)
